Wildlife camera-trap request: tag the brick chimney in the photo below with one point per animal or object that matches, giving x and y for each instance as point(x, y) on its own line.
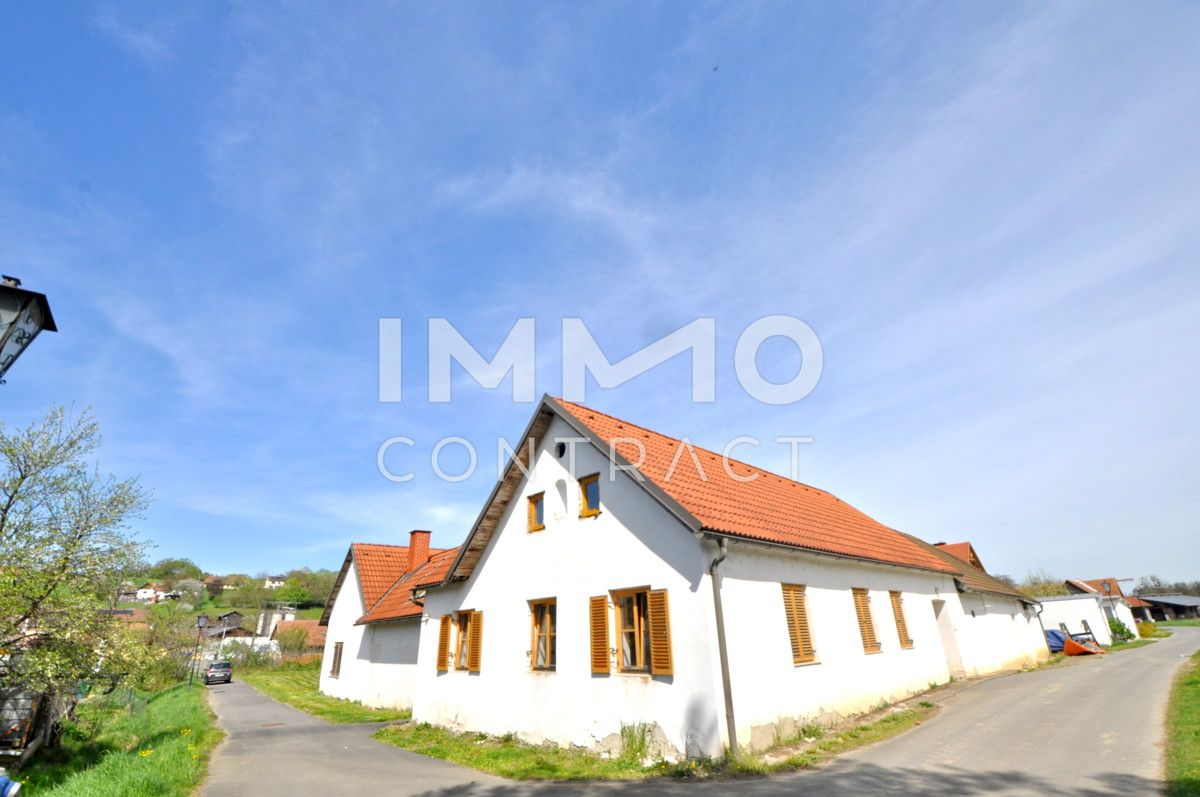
point(418, 548)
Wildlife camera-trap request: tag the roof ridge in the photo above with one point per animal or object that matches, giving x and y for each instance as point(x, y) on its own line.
point(734, 460)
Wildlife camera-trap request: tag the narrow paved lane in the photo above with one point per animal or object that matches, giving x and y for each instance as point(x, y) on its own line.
point(273, 750)
point(1082, 729)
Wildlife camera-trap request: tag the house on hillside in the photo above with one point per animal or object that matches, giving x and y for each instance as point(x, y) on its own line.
point(1113, 602)
point(369, 657)
point(274, 582)
point(618, 576)
point(150, 592)
point(1173, 607)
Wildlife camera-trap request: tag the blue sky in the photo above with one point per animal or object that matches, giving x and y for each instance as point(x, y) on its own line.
point(989, 213)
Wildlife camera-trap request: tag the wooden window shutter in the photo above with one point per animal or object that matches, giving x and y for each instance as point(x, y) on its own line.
point(443, 648)
point(901, 626)
point(476, 642)
point(660, 632)
point(862, 607)
point(796, 609)
point(598, 610)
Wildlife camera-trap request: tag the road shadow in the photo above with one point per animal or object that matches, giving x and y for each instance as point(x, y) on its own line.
point(853, 780)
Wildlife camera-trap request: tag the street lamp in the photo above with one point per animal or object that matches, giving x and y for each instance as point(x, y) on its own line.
point(201, 624)
point(23, 314)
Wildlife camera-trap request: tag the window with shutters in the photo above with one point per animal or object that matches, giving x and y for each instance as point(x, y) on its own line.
point(901, 626)
point(544, 616)
point(468, 640)
point(862, 607)
point(589, 495)
point(537, 512)
point(642, 622)
point(795, 608)
point(443, 648)
point(598, 627)
point(335, 667)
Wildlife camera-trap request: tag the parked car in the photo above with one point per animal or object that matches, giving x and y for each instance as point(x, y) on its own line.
point(218, 672)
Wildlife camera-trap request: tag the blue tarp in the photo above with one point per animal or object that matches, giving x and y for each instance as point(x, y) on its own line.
point(1054, 639)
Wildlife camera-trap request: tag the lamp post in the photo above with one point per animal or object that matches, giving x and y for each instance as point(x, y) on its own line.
point(201, 623)
point(23, 314)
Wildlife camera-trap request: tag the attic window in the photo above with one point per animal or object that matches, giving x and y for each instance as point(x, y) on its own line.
point(537, 512)
point(560, 450)
point(589, 495)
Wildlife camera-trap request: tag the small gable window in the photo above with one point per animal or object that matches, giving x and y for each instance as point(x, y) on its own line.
point(537, 512)
point(589, 494)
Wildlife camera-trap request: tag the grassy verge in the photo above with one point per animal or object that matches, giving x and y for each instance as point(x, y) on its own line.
point(1180, 623)
point(142, 745)
point(1133, 643)
point(296, 685)
point(1183, 733)
point(507, 757)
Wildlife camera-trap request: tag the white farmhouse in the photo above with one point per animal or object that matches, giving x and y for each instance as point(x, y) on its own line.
point(375, 661)
point(619, 576)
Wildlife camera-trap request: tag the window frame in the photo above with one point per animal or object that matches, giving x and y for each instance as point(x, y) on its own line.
point(866, 622)
point(897, 599)
point(585, 507)
point(335, 666)
point(534, 502)
point(798, 624)
point(640, 629)
point(537, 632)
point(462, 640)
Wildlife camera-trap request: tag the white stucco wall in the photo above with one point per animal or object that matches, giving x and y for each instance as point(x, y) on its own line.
point(352, 681)
point(1073, 610)
point(392, 673)
point(996, 633)
point(767, 686)
point(571, 560)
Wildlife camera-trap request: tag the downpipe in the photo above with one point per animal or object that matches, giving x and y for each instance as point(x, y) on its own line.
point(722, 648)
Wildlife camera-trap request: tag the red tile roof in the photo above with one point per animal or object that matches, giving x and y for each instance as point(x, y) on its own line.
point(961, 550)
point(769, 508)
point(1137, 602)
point(315, 631)
point(378, 567)
point(397, 603)
point(1114, 586)
point(972, 578)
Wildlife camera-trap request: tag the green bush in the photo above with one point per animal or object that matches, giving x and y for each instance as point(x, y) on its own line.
point(1146, 629)
point(1120, 631)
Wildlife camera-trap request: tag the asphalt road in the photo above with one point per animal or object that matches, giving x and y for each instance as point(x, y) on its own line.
point(273, 750)
point(1085, 728)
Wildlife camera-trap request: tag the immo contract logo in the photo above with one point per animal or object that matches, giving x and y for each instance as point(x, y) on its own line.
point(582, 355)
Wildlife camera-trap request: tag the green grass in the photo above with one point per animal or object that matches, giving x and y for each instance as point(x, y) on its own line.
point(311, 613)
point(296, 685)
point(1133, 643)
point(1178, 622)
point(155, 744)
point(509, 758)
point(1183, 733)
